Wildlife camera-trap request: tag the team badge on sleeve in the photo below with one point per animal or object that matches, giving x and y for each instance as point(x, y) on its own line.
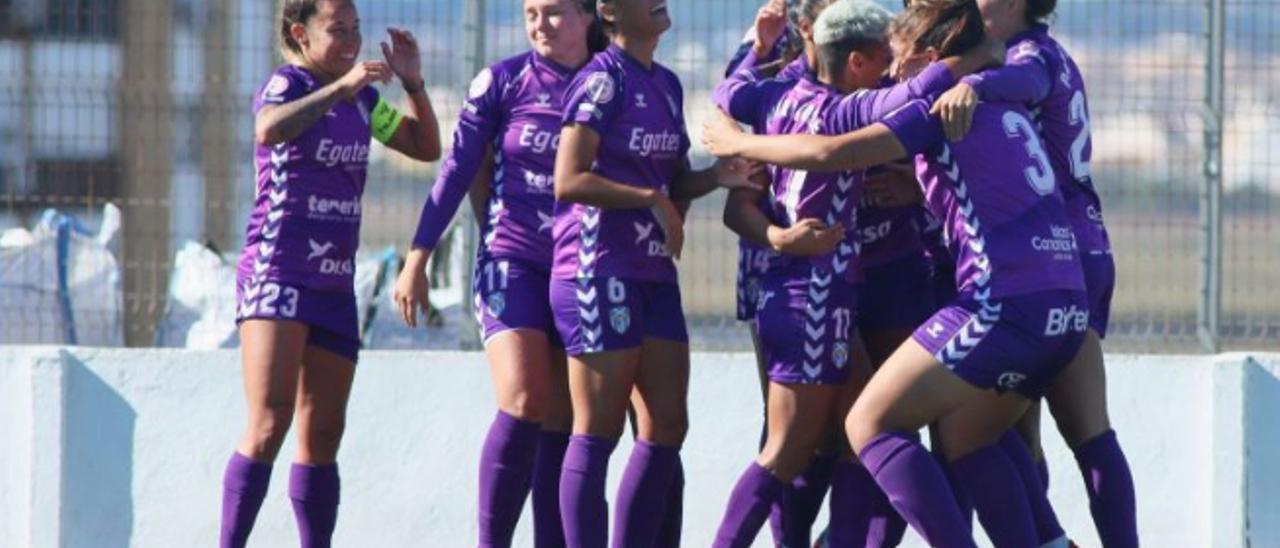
point(480, 85)
point(276, 87)
point(620, 319)
point(600, 88)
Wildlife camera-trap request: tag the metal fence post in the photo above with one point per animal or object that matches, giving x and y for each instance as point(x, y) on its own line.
point(1210, 308)
point(217, 128)
point(474, 60)
point(146, 154)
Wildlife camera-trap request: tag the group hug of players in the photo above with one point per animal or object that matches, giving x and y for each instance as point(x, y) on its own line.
point(921, 245)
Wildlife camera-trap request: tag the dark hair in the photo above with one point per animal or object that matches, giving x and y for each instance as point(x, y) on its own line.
point(836, 54)
point(799, 11)
point(597, 39)
point(1039, 10)
point(950, 26)
point(294, 12)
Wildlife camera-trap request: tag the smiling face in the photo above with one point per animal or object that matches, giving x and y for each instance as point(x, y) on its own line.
point(557, 29)
point(330, 40)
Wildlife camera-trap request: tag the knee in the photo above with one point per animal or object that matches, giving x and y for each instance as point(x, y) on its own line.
point(860, 427)
point(322, 438)
point(267, 430)
point(670, 427)
point(524, 406)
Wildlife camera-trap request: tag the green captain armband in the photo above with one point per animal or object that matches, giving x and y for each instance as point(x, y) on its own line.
point(385, 121)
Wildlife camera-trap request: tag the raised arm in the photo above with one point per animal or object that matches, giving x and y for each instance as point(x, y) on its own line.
point(1027, 77)
point(284, 112)
point(866, 147)
point(418, 135)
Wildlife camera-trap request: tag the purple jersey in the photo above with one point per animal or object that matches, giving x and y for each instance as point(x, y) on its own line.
point(1005, 220)
point(514, 107)
point(638, 114)
point(1041, 75)
point(305, 224)
point(808, 106)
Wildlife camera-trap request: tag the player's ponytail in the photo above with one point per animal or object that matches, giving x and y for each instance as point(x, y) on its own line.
point(294, 12)
point(597, 38)
point(951, 27)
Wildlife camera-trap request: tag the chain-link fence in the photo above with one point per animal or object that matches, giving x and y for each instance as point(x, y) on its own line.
point(145, 105)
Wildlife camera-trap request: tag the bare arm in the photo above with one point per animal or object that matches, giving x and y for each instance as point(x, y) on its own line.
point(576, 182)
point(869, 146)
point(418, 136)
point(276, 124)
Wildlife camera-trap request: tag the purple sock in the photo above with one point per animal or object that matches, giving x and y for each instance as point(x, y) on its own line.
point(506, 469)
point(853, 492)
point(584, 513)
point(887, 527)
point(673, 519)
point(643, 494)
point(957, 489)
point(1045, 520)
point(314, 490)
point(547, 531)
point(1110, 486)
point(1042, 469)
point(748, 507)
point(792, 516)
point(998, 495)
point(916, 487)
point(244, 485)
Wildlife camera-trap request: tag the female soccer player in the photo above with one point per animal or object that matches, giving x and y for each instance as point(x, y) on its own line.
point(1041, 74)
point(805, 388)
point(513, 116)
point(780, 40)
point(296, 301)
point(1018, 319)
point(621, 166)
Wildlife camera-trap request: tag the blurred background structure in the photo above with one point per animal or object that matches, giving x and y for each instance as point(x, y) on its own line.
point(144, 105)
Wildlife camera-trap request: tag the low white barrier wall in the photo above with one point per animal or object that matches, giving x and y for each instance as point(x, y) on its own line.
point(114, 448)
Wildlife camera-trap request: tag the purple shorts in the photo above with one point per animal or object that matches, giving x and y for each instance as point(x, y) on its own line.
point(1100, 283)
point(330, 316)
point(753, 262)
point(896, 295)
point(513, 294)
point(1015, 343)
point(805, 327)
point(605, 314)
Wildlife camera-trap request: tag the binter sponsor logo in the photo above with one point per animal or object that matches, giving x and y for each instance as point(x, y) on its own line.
point(1061, 240)
point(331, 154)
point(1066, 320)
point(646, 144)
point(538, 141)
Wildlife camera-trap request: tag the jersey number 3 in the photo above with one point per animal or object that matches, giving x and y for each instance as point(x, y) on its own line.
point(1040, 175)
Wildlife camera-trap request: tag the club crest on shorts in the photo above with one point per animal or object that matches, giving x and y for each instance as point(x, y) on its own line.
point(620, 319)
point(840, 354)
point(497, 303)
point(1009, 380)
point(753, 288)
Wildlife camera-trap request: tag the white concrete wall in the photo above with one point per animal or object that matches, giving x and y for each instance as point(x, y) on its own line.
point(114, 448)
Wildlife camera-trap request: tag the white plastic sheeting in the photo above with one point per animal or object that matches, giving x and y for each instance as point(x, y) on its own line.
point(60, 282)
